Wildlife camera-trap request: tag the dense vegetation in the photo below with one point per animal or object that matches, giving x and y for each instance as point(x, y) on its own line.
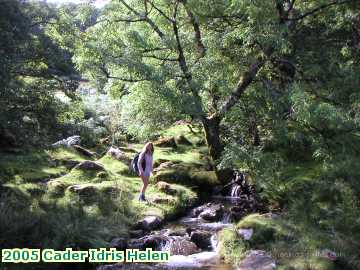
point(267, 87)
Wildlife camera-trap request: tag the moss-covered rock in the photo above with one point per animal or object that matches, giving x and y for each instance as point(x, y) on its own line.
point(166, 142)
point(182, 140)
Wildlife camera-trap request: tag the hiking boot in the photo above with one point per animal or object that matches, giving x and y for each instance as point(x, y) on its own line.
point(142, 198)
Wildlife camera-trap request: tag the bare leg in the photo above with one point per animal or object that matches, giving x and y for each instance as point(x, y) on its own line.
point(145, 184)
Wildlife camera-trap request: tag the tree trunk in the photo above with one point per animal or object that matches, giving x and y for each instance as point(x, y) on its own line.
point(213, 141)
point(212, 136)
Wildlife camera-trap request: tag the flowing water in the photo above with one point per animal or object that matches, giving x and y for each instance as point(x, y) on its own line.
point(178, 237)
point(179, 232)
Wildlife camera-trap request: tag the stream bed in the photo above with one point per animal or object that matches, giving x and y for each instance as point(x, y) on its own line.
point(193, 240)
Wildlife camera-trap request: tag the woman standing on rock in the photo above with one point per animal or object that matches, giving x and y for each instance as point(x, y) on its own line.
point(145, 166)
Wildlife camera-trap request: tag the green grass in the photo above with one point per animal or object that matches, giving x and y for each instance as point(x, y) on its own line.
point(282, 239)
point(41, 210)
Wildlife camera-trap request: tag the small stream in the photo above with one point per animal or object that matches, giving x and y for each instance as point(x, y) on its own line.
point(193, 240)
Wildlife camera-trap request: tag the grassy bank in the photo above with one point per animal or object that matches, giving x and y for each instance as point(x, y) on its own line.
point(46, 203)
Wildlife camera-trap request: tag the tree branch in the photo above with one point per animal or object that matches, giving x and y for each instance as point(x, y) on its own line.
point(107, 75)
point(183, 65)
point(161, 58)
point(146, 19)
point(160, 11)
point(242, 85)
point(196, 26)
point(320, 8)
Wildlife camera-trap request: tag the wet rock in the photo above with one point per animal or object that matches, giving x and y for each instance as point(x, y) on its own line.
point(236, 209)
point(246, 234)
point(194, 261)
point(181, 233)
point(236, 216)
point(136, 233)
point(153, 241)
point(182, 246)
point(166, 188)
point(89, 165)
point(182, 140)
point(68, 142)
point(237, 212)
point(117, 266)
point(83, 190)
point(201, 238)
point(84, 151)
point(166, 142)
point(197, 211)
point(117, 154)
point(119, 243)
point(149, 223)
point(213, 213)
point(257, 260)
point(217, 190)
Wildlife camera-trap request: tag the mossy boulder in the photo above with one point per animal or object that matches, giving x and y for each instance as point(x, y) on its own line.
point(86, 190)
point(182, 140)
point(166, 142)
point(257, 259)
point(119, 155)
point(85, 152)
point(88, 165)
point(265, 227)
point(204, 181)
point(164, 200)
point(56, 187)
point(166, 188)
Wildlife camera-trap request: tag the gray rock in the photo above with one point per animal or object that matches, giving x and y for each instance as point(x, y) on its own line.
point(201, 238)
point(119, 243)
point(117, 266)
point(150, 223)
point(68, 142)
point(153, 241)
point(84, 151)
point(213, 213)
point(117, 154)
point(197, 211)
point(257, 260)
point(246, 234)
point(89, 165)
point(136, 233)
point(182, 246)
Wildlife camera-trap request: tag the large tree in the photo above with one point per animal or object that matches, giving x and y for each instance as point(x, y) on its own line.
point(34, 65)
point(202, 56)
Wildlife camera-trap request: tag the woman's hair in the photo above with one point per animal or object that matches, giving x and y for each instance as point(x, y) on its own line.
point(145, 148)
